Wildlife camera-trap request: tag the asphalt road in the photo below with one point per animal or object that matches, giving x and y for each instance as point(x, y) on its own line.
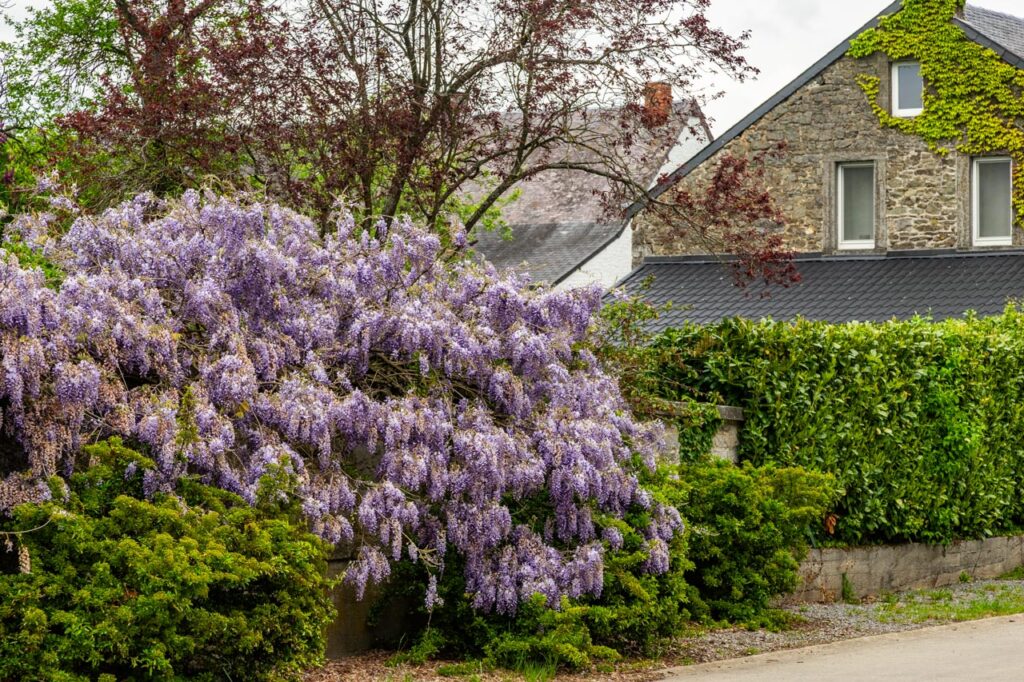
point(979, 651)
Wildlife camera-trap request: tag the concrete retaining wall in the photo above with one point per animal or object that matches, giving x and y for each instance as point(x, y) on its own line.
point(351, 631)
point(726, 442)
point(871, 571)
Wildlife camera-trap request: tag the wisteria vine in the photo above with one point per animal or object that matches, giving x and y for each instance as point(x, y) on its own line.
point(415, 398)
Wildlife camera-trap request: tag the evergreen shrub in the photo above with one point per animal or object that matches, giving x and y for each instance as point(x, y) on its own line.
point(197, 585)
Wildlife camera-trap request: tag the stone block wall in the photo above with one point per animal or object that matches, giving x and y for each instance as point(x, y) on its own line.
point(871, 571)
point(725, 444)
point(922, 198)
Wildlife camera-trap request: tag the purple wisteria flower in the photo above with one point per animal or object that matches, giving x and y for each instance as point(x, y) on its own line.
point(412, 399)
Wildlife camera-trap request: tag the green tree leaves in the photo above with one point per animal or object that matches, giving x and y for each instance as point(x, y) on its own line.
point(919, 421)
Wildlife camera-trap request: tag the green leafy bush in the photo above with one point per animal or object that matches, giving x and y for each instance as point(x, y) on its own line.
point(921, 422)
point(623, 344)
point(197, 585)
point(748, 532)
point(635, 612)
point(30, 258)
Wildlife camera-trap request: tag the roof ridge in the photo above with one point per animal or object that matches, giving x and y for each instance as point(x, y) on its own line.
point(999, 31)
point(995, 11)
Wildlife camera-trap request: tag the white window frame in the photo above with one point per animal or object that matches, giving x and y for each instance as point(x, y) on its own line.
point(978, 240)
point(852, 244)
point(896, 111)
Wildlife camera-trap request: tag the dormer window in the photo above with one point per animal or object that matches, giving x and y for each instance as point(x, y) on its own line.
point(907, 89)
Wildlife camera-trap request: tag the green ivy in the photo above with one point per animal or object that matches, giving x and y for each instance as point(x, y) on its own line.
point(697, 423)
point(972, 102)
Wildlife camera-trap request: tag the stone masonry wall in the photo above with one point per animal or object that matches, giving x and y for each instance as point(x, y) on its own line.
point(871, 571)
point(922, 197)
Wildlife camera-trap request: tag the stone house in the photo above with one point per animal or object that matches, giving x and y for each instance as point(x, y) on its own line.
point(561, 228)
point(855, 191)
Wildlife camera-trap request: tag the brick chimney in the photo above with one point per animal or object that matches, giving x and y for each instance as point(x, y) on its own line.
point(657, 103)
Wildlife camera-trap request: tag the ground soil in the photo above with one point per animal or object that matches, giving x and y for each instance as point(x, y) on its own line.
point(812, 624)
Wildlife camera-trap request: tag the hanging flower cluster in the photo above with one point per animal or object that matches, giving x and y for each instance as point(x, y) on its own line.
point(415, 398)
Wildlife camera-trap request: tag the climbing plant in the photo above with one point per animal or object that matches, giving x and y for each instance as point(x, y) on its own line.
point(973, 99)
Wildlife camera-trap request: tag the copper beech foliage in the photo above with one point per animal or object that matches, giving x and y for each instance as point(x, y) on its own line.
point(735, 213)
point(432, 108)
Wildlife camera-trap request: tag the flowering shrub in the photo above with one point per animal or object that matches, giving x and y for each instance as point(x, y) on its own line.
point(634, 614)
point(414, 396)
point(747, 531)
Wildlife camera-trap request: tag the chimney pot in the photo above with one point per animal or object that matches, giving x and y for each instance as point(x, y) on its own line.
point(657, 102)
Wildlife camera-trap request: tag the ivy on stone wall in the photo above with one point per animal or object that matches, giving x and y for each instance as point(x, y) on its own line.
point(973, 99)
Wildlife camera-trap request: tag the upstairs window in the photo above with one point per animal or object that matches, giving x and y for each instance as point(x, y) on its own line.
point(992, 201)
point(907, 89)
point(856, 205)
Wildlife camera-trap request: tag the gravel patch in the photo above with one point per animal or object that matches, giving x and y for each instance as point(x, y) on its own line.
point(813, 624)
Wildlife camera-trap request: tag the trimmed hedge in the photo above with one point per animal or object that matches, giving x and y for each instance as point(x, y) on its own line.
point(921, 422)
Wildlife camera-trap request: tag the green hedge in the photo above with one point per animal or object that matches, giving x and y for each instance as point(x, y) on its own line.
point(921, 422)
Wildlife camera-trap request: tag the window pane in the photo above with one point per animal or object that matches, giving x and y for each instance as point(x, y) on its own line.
point(995, 214)
point(909, 86)
point(858, 203)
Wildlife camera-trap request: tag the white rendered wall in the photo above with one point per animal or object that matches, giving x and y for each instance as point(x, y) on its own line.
point(607, 268)
point(615, 261)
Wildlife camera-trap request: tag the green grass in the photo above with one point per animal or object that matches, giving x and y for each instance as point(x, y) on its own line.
point(536, 671)
point(1015, 574)
point(941, 606)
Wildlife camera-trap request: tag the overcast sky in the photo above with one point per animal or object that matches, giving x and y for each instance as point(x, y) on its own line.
point(787, 36)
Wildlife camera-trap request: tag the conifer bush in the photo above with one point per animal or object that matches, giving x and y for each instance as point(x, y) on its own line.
point(196, 585)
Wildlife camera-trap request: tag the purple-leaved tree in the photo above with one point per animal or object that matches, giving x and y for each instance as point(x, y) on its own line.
point(416, 397)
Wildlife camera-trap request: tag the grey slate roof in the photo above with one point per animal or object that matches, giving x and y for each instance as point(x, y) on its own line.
point(550, 251)
point(838, 289)
point(1005, 30)
point(1002, 33)
point(560, 221)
